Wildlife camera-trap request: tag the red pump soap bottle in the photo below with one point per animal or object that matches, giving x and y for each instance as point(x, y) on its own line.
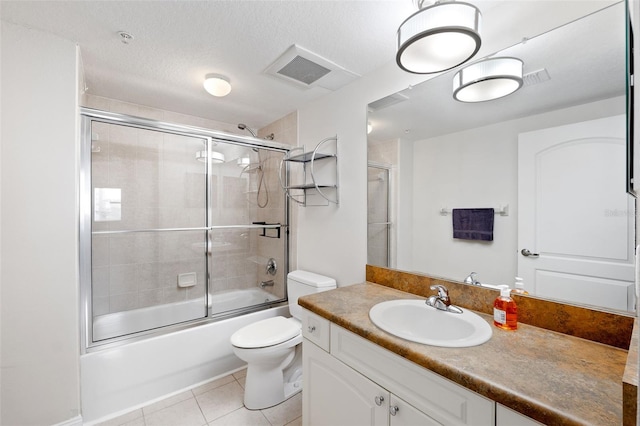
point(505, 311)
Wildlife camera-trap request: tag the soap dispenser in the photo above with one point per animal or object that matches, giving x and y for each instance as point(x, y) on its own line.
point(519, 287)
point(505, 311)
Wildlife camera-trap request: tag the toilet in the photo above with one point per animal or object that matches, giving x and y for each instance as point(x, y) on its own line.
point(271, 347)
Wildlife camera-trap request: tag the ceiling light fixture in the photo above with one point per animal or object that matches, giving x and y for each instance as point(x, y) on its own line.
point(438, 37)
point(216, 157)
point(217, 85)
point(488, 79)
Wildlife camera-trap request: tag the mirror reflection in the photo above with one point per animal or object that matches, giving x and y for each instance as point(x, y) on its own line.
point(549, 159)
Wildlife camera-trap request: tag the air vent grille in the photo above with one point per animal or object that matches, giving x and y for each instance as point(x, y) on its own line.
point(303, 70)
point(536, 77)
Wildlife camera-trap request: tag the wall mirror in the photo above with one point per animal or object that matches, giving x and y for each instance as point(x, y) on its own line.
point(549, 158)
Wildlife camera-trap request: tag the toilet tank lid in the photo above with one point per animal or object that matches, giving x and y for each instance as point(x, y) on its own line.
point(311, 279)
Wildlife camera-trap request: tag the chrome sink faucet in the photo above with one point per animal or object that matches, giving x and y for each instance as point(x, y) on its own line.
point(471, 279)
point(441, 301)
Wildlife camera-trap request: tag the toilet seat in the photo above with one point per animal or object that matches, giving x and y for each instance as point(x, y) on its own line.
point(265, 333)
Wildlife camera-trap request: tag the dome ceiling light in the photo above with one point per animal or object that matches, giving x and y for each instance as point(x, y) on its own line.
point(438, 37)
point(217, 85)
point(488, 79)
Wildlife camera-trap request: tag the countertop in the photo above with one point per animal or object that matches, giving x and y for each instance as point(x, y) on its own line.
point(551, 377)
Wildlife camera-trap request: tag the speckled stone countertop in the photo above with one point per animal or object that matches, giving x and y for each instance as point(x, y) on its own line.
point(551, 377)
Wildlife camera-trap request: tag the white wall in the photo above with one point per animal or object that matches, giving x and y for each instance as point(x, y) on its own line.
point(332, 240)
point(39, 240)
point(477, 168)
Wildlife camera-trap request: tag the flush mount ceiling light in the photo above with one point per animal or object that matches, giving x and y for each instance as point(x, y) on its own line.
point(438, 37)
point(487, 80)
point(216, 157)
point(217, 85)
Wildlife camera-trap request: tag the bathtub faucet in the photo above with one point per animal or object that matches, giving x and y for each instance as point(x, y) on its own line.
point(264, 284)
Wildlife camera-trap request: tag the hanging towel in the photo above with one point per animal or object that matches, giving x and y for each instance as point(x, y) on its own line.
point(473, 224)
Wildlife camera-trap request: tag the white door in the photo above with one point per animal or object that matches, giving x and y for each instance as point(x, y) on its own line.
point(574, 215)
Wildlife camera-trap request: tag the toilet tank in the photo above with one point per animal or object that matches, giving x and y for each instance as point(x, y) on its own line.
point(300, 283)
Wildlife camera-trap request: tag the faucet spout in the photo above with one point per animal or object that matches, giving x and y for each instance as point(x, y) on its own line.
point(441, 301)
point(264, 284)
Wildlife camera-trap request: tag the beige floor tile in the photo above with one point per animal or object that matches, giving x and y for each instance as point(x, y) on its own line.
point(213, 384)
point(185, 413)
point(124, 419)
point(221, 401)
point(296, 422)
point(167, 402)
point(242, 380)
point(242, 417)
point(241, 373)
point(286, 412)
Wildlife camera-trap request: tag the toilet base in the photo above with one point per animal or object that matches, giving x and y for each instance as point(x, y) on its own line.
point(266, 387)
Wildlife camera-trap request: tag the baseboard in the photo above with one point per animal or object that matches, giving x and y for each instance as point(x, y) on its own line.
point(74, 421)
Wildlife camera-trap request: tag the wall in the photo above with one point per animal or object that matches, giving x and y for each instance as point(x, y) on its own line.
point(39, 222)
point(478, 168)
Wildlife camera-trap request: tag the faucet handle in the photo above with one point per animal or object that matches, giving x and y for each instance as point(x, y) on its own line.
point(443, 293)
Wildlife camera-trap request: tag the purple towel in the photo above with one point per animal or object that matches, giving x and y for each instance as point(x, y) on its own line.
point(473, 224)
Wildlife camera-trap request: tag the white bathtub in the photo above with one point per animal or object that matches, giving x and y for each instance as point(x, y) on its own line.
point(127, 322)
point(128, 376)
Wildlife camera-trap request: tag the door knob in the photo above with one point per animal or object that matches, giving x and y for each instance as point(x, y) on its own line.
point(393, 410)
point(379, 400)
point(526, 253)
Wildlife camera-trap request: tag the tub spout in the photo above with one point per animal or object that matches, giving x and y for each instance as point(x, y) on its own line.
point(264, 284)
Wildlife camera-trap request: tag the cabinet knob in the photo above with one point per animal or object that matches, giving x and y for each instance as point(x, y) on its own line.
point(393, 410)
point(311, 328)
point(379, 400)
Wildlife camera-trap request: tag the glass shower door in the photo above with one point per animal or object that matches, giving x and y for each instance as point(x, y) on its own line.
point(148, 229)
point(378, 216)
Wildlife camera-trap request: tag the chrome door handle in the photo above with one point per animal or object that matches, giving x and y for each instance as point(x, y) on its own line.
point(379, 400)
point(526, 253)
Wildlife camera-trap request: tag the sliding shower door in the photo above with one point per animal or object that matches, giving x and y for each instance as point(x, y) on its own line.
point(248, 247)
point(148, 223)
point(177, 224)
point(378, 216)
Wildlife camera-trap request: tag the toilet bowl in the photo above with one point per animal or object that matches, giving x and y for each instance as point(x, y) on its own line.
point(271, 347)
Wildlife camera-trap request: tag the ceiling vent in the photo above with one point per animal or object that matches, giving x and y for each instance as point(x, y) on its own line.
point(387, 101)
point(306, 69)
point(536, 77)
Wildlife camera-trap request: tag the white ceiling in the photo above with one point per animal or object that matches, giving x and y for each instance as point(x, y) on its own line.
point(177, 42)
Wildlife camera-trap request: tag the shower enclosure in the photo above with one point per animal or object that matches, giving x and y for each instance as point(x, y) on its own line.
point(178, 225)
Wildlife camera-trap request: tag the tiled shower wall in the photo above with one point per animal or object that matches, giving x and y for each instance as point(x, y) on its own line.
point(139, 270)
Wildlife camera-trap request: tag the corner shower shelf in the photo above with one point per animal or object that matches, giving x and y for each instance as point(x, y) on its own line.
point(318, 183)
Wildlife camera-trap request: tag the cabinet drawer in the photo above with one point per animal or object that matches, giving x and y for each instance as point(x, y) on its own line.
point(440, 398)
point(316, 329)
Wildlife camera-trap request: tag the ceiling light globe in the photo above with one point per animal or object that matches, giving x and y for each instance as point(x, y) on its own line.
point(439, 37)
point(488, 79)
point(217, 85)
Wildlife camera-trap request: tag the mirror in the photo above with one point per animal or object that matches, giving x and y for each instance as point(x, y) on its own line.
point(563, 204)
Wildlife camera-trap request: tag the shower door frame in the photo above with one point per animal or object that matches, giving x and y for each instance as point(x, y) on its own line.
point(89, 115)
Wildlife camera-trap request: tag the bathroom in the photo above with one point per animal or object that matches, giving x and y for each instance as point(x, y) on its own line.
point(40, 314)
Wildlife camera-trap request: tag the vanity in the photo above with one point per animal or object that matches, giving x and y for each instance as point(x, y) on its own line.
point(355, 373)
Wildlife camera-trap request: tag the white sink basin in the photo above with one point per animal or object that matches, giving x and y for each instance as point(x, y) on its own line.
point(414, 320)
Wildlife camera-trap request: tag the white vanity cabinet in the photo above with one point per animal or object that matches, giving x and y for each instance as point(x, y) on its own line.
point(356, 382)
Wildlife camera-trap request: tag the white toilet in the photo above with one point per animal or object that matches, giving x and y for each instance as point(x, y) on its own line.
point(272, 349)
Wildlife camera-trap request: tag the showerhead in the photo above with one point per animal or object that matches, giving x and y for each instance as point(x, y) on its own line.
point(243, 126)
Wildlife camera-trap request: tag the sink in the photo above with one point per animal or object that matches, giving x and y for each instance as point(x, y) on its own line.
point(414, 320)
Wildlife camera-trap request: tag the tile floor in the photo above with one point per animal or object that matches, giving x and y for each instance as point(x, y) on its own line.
point(217, 403)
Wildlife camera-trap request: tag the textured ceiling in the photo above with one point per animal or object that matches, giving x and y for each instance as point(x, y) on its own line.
point(177, 42)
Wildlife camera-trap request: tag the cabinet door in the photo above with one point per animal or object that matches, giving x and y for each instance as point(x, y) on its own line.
point(335, 395)
point(507, 417)
point(403, 414)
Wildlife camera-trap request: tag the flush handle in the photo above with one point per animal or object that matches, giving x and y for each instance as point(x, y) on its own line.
point(526, 253)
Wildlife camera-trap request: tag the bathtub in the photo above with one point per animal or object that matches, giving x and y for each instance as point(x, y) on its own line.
point(127, 322)
point(118, 379)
